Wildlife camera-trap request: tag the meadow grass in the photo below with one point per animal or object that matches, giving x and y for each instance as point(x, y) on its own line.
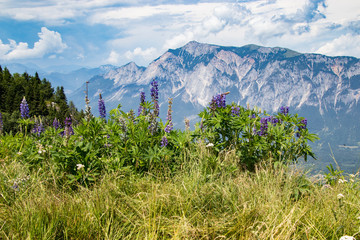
point(209, 198)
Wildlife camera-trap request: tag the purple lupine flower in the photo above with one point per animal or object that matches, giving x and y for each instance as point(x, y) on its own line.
point(235, 110)
point(1, 123)
point(218, 101)
point(56, 124)
point(164, 141)
point(221, 100)
point(252, 116)
point(102, 109)
point(264, 125)
point(38, 129)
point(24, 109)
point(284, 110)
point(142, 101)
point(155, 96)
point(274, 121)
point(169, 125)
point(303, 126)
point(68, 128)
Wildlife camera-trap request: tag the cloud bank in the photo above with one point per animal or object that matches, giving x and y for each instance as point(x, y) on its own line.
point(141, 30)
point(49, 42)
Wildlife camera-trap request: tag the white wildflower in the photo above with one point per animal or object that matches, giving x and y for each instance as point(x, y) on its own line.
point(210, 145)
point(351, 175)
point(347, 238)
point(358, 218)
point(340, 196)
point(79, 166)
point(342, 181)
point(19, 153)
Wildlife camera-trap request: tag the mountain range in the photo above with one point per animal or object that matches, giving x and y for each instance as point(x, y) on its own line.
point(323, 89)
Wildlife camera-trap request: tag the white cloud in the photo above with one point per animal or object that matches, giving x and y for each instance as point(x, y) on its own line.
point(300, 25)
point(174, 13)
point(53, 11)
point(347, 45)
point(113, 58)
point(151, 27)
point(147, 54)
point(50, 42)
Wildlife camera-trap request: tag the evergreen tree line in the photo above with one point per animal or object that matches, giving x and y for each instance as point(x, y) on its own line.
point(43, 100)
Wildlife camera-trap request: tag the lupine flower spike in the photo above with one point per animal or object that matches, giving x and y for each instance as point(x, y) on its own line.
point(302, 127)
point(164, 141)
point(155, 97)
point(169, 125)
point(56, 124)
point(102, 109)
point(38, 128)
point(155, 114)
point(235, 111)
point(264, 125)
point(141, 109)
point(284, 110)
point(68, 128)
point(24, 109)
point(218, 101)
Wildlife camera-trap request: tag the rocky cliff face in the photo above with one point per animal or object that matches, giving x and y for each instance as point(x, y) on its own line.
point(324, 89)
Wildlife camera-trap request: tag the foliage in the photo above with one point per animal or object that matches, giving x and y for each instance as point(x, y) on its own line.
point(41, 99)
point(256, 137)
point(134, 176)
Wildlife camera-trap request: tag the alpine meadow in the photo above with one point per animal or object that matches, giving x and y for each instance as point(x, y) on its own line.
point(133, 176)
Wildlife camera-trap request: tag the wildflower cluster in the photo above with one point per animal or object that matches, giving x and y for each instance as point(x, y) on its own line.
point(284, 110)
point(303, 125)
point(24, 109)
point(264, 124)
point(101, 105)
point(235, 110)
point(256, 136)
point(164, 141)
point(38, 127)
point(218, 101)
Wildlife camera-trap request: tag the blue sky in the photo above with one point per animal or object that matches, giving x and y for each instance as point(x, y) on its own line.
point(95, 32)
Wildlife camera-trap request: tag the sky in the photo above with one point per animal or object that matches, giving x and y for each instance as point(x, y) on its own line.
point(91, 33)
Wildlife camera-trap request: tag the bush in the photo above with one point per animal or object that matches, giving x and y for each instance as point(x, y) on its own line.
point(256, 137)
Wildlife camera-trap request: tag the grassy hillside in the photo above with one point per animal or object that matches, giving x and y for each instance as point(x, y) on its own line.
point(204, 200)
point(131, 176)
